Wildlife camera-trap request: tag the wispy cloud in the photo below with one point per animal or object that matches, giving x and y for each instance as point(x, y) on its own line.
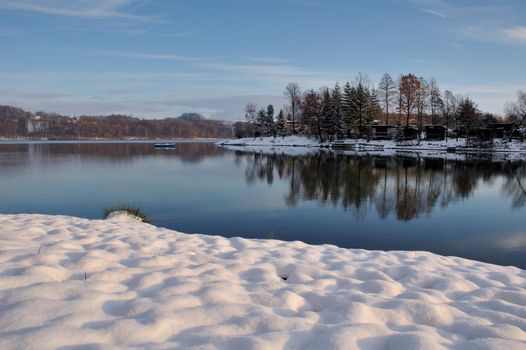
point(267, 59)
point(111, 76)
point(180, 34)
point(9, 33)
point(487, 21)
point(436, 8)
point(143, 55)
point(515, 34)
point(92, 9)
point(434, 12)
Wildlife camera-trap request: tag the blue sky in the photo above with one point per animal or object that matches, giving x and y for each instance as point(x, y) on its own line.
point(160, 58)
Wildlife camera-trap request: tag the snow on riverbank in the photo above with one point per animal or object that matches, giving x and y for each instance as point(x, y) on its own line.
point(296, 141)
point(386, 145)
point(74, 283)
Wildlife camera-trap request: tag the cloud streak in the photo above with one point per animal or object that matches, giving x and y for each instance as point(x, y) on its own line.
point(515, 34)
point(147, 56)
point(92, 9)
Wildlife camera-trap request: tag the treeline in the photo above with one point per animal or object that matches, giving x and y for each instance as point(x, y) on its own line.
point(350, 111)
point(17, 123)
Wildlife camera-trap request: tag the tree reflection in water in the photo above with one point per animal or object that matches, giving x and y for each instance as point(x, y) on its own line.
point(407, 186)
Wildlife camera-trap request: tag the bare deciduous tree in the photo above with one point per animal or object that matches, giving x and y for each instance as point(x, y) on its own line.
point(293, 93)
point(251, 116)
point(516, 113)
point(449, 108)
point(435, 101)
point(422, 101)
point(409, 85)
point(387, 93)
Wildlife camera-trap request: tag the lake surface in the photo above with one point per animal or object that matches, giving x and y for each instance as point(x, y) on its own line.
point(469, 207)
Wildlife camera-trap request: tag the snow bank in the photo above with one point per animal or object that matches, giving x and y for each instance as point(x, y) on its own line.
point(295, 141)
point(278, 150)
point(514, 149)
point(72, 283)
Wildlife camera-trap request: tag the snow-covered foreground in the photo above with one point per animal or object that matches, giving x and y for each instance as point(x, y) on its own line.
point(73, 283)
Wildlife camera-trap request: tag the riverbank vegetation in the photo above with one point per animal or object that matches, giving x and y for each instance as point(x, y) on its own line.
point(403, 107)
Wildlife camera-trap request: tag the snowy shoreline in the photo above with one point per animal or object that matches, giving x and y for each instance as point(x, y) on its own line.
point(98, 284)
point(459, 146)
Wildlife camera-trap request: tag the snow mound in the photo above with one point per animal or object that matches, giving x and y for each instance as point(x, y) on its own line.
point(70, 283)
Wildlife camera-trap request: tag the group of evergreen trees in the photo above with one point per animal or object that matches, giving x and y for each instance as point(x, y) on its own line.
point(329, 113)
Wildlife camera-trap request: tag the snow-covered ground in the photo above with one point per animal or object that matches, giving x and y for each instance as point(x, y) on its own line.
point(297, 141)
point(385, 145)
point(279, 150)
point(70, 283)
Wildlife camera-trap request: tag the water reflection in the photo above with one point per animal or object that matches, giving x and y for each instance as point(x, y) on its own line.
point(406, 186)
point(18, 154)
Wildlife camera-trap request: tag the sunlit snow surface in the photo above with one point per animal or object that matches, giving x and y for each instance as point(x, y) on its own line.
point(502, 149)
point(71, 283)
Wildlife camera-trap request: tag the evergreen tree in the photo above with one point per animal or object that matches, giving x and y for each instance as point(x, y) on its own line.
point(359, 103)
point(312, 113)
point(269, 121)
point(326, 113)
point(281, 124)
point(347, 110)
point(469, 116)
point(260, 121)
point(337, 117)
point(336, 98)
point(374, 110)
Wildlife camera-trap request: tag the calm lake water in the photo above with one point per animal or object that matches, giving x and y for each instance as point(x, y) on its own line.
point(473, 208)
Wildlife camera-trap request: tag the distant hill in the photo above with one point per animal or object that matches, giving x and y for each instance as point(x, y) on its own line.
point(14, 113)
point(192, 117)
point(17, 123)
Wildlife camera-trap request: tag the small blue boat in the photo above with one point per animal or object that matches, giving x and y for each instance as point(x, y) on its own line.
point(164, 145)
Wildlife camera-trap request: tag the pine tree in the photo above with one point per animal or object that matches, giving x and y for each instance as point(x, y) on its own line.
point(312, 113)
point(374, 110)
point(337, 118)
point(347, 111)
point(359, 103)
point(326, 113)
point(469, 116)
point(260, 119)
point(269, 121)
point(281, 124)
